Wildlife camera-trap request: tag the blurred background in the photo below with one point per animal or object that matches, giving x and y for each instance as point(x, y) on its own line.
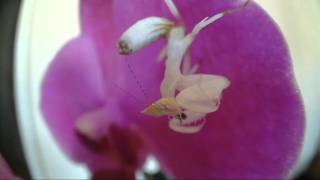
point(32, 32)
point(10, 143)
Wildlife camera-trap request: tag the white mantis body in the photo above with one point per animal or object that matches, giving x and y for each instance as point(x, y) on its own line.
point(198, 94)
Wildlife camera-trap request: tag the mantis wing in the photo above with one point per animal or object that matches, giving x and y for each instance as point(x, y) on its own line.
point(202, 96)
point(191, 80)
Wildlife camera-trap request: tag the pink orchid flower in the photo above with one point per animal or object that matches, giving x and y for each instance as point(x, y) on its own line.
point(92, 96)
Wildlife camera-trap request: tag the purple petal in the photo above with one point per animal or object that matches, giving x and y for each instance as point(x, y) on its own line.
point(73, 88)
point(104, 36)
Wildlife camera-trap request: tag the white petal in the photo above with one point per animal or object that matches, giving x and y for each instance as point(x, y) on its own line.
point(142, 33)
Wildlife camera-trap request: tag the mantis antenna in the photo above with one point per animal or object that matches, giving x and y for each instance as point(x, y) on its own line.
point(127, 93)
point(136, 80)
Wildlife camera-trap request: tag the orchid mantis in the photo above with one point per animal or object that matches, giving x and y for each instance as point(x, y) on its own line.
point(185, 97)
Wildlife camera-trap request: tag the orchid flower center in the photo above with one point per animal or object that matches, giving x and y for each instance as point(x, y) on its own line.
point(186, 97)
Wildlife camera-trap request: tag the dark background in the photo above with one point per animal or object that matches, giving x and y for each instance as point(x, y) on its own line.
point(10, 144)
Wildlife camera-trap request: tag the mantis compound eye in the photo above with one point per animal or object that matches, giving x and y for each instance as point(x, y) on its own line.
point(181, 116)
